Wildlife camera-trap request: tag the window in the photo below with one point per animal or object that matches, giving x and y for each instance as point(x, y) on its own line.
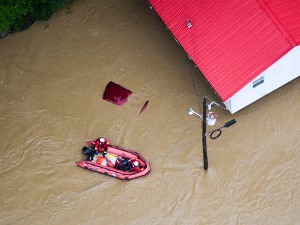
point(258, 82)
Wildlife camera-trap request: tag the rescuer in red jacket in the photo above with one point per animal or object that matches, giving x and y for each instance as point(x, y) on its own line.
point(101, 145)
point(135, 166)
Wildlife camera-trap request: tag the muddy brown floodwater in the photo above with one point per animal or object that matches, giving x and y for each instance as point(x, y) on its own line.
point(52, 80)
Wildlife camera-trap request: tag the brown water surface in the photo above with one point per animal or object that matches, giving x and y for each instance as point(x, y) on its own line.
point(52, 81)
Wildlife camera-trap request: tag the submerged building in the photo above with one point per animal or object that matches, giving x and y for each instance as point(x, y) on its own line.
point(245, 49)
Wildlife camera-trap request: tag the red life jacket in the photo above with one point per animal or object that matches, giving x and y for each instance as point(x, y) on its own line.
point(133, 167)
point(101, 146)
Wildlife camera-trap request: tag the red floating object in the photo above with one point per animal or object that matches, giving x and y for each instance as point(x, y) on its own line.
point(144, 107)
point(116, 94)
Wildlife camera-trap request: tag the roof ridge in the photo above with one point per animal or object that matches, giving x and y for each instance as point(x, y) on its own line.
point(277, 22)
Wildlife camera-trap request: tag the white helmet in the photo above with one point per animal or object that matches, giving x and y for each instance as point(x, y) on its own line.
point(102, 140)
point(135, 163)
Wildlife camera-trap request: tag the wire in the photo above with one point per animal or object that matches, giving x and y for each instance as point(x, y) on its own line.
point(196, 88)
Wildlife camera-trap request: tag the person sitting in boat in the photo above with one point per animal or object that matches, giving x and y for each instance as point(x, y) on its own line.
point(117, 162)
point(89, 152)
point(122, 164)
point(101, 145)
point(135, 166)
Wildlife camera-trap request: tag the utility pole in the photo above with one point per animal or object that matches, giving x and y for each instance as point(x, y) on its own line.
point(205, 159)
point(209, 119)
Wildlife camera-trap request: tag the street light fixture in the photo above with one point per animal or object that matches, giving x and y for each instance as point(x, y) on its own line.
point(191, 112)
point(211, 117)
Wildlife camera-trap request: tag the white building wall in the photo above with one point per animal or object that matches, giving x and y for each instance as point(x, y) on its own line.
point(283, 71)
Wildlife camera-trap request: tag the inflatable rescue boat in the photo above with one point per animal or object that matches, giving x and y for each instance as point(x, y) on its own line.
point(93, 163)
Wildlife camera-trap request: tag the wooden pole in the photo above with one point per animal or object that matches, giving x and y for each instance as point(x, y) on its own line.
point(205, 160)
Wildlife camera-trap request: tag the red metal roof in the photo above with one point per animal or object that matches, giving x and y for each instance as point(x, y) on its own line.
point(232, 41)
point(286, 15)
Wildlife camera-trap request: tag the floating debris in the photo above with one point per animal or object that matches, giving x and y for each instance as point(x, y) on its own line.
point(116, 94)
point(144, 107)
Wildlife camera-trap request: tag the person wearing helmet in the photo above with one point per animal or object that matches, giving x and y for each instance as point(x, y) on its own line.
point(135, 166)
point(101, 145)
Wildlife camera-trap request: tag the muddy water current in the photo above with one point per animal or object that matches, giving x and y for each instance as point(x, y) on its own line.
point(52, 77)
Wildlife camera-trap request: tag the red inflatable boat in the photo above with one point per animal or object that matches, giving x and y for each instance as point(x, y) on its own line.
point(127, 155)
